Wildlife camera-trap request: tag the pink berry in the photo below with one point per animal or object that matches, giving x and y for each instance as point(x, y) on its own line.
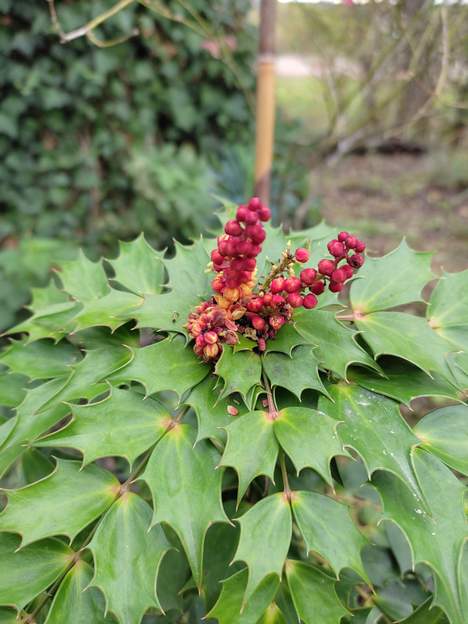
point(302, 255)
point(216, 257)
point(308, 276)
point(347, 270)
point(295, 300)
point(233, 227)
point(351, 242)
point(255, 305)
point(264, 213)
point(255, 203)
point(336, 286)
point(359, 246)
point(292, 284)
point(356, 260)
point(338, 275)
point(342, 236)
point(249, 264)
point(267, 298)
point(336, 249)
point(277, 285)
point(261, 344)
point(326, 267)
point(241, 213)
point(251, 217)
point(217, 285)
point(258, 323)
point(256, 233)
point(232, 411)
point(318, 288)
point(277, 300)
point(310, 301)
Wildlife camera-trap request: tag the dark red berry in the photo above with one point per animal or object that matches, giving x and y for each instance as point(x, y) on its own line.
point(347, 270)
point(310, 301)
point(336, 286)
point(255, 305)
point(249, 264)
point(356, 260)
point(326, 267)
point(233, 227)
point(264, 213)
point(342, 236)
point(277, 285)
point(256, 233)
point(336, 249)
point(241, 213)
point(292, 284)
point(338, 275)
point(308, 276)
point(359, 246)
point(351, 242)
point(318, 288)
point(216, 257)
point(255, 203)
point(302, 255)
point(251, 217)
point(295, 300)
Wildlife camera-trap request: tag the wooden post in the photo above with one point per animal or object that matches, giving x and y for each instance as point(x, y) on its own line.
point(265, 110)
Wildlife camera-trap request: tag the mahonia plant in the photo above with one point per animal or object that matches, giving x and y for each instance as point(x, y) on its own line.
point(276, 474)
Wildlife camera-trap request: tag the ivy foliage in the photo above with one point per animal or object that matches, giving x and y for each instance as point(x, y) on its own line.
point(133, 493)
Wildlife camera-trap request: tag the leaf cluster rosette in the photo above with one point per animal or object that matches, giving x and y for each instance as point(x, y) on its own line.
point(276, 485)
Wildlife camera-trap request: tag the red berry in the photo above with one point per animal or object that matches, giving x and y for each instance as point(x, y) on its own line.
point(255, 203)
point(256, 233)
point(336, 286)
point(356, 261)
point(244, 247)
point(318, 288)
point(338, 275)
point(347, 270)
point(264, 213)
point(217, 285)
point(277, 300)
point(302, 255)
point(249, 264)
point(326, 267)
point(251, 217)
point(233, 227)
point(277, 285)
point(359, 246)
point(241, 213)
point(255, 251)
point(255, 305)
point(292, 284)
point(295, 300)
point(308, 276)
point(351, 242)
point(267, 298)
point(310, 301)
point(342, 236)
point(336, 249)
point(258, 323)
point(261, 344)
point(216, 257)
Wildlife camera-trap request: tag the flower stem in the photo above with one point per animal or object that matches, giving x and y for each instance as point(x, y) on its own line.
point(284, 474)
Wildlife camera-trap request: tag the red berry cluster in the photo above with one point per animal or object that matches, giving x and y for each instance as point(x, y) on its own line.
point(237, 309)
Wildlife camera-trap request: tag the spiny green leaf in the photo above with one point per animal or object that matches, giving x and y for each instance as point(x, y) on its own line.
point(328, 530)
point(12, 389)
point(272, 615)
point(8, 616)
point(165, 365)
point(248, 461)
point(75, 597)
point(239, 371)
point(285, 340)
point(315, 233)
point(41, 359)
point(444, 432)
point(408, 337)
point(337, 347)
point(139, 267)
point(437, 537)
point(26, 573)
point(211, 410)
point(426, 614)
point(49, 321)
point(404, 382)
point(127, 556)
point(112, 310)
point(61, 504)
point(275, 243)
point(373, 426)
point(392, 280)
point(309, 438)
point(124, 424)
point(264, 540)
point(296, 373)
point(448, 305)
point(458, 364)
point(229, 607)
point(186, 490)
point(84, 280)
point(220, 546)
point(313, 592)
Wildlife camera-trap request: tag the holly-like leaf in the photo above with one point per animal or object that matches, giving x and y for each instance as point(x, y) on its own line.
point(408, 337)
point(309, 438)
point(447, 311)
point(437, 537)
point(229, 609)
point(285, 340)
point(337, 347)
point(127, 556)
point(211, 410)
point(112, 310)
point(41, 359)
point(239, 454)
point(27, 572)
point(327, 529)
point(426, 614)
point(186, 490)
point(124, 424)
point(392, 280)
point(273, 615)
point(12, 389)
point(404, 382)
point(61, 504)
point(313, 592)
point(296, 373)
point(8, 616)
point(75, 597)
point(275, 243)
point(83, 279)
point(264, 541)
point(138, 267)
point(165, 365)
point(320, 231)
point(444, 432)
point(239, 371)
point(373, 426)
